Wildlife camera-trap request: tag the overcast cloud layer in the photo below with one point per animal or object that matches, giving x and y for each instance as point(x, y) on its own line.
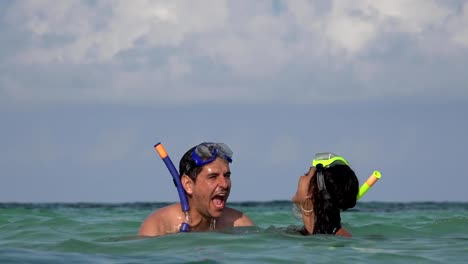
point(146, 52)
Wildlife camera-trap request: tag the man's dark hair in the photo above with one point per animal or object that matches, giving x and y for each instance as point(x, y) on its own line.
point(187, 165)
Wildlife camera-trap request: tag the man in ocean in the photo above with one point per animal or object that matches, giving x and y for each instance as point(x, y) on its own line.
point(206, 178)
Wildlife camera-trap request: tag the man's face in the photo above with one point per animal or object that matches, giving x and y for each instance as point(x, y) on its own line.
point(212, 187)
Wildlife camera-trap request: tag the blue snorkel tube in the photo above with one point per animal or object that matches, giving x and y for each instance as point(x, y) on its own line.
point(185, 227)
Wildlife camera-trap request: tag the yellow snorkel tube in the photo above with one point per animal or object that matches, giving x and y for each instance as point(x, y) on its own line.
point(328, 159)
point(368, 184)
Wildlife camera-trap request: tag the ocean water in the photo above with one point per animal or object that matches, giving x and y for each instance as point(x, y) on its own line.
point(106, 233)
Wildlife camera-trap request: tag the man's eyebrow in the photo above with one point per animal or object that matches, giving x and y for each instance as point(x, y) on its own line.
point(218, 173)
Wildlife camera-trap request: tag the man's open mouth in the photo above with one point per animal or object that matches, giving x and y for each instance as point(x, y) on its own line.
point(219, 201)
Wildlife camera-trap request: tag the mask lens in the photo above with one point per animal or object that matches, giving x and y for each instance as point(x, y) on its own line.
point(207, 152)
point(328, 159)
point(203, 151)
point(225, 150)
point(324, 156)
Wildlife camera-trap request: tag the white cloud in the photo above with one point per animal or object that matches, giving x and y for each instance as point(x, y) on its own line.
point(349, 32)
point(459, 27)
point(97, 33)
point(100, 32)
point(185, 51)
point(409, 15)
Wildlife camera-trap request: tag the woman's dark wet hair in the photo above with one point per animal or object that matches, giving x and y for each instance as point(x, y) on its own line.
point(341, 189)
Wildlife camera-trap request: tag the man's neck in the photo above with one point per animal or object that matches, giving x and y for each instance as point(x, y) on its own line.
point(201, 223)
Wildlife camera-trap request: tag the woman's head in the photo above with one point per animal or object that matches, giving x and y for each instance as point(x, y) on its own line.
point(332, 190)
point(323, 193)
point(341, 185)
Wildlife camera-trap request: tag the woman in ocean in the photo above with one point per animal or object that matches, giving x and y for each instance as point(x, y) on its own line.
point(329, 187)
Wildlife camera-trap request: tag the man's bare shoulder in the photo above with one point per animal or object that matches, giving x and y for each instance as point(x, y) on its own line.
point(232, 217)
point(162, 221)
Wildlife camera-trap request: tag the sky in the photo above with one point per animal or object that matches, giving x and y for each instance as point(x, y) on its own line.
point(88, 87)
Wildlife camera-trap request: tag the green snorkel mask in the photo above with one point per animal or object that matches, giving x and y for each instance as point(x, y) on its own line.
point(321, 162)
point(325, 160)
point(328, 160)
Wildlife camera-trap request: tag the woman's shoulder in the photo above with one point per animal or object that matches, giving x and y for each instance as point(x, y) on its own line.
point(343, 232)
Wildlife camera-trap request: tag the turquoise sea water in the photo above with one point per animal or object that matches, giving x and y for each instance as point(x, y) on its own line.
point(106, 233)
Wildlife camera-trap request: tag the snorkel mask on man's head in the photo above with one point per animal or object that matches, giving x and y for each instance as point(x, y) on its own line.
point(195, 158)
point(207, 152)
